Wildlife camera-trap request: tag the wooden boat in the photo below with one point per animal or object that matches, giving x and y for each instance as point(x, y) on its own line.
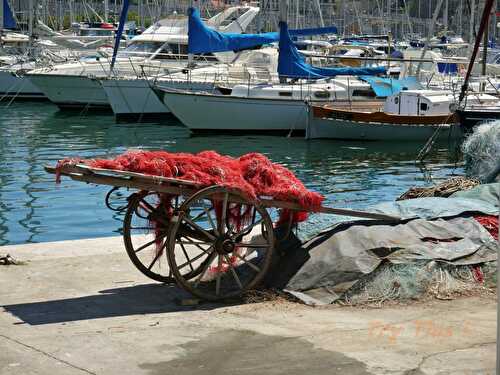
point(414, 115)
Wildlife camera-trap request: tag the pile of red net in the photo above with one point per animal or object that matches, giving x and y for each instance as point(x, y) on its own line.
point(490, 223)
point(253, 174)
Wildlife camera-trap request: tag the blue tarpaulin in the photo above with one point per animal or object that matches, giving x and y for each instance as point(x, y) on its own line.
point(8, 21)
point(119, 32)
point(384, 87)
point(292, 64)
point(202, 39)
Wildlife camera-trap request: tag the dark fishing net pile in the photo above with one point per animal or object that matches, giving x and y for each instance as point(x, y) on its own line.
point(253, 174)
point(482, 152)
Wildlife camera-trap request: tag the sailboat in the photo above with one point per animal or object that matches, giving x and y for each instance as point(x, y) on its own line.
point(471, 114)
point(162, 46)
point(410, 115)
point(270, 107)
point(132, 97)
point(12, 83)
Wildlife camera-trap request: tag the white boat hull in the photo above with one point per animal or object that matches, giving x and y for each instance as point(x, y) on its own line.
point(219, 113)
point(324, 128)
point(133, 99)
point(18, 87)
point(71, 92)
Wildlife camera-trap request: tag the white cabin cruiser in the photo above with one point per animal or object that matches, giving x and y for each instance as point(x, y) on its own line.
point(162, 47)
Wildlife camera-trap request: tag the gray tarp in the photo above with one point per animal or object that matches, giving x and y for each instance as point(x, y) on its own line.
point(322, 269)
point(434, 207)
point(487, 192)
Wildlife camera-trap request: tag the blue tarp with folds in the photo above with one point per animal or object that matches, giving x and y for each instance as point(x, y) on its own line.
point(292, 64)
point(384, 87)
point(202, 39)
point(8, 21)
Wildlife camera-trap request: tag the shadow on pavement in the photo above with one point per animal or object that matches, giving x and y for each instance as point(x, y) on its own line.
point(133, 300)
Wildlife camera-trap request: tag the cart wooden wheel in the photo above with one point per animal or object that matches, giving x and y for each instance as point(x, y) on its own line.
point(145, 231)
point(225, 235)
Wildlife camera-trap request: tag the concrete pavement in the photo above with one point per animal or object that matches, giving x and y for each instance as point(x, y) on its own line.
point(80, 307)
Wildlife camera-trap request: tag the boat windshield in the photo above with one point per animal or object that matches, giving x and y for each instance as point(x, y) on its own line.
point(140, 48)
point(97, 32)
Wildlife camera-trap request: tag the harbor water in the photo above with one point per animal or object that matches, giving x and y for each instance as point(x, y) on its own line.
point(34, 209)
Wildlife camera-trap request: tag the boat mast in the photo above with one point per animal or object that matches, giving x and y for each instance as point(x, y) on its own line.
point(190, 63)
point(445, 15)
point(410, 26)
point(71, 12)
point(460, 11)
point(484, 22)
point(389, 16)
point(485, 51)
point(429, 36)
point(355, 8)
point(30, 22)
point(471, 21)
point(381, 16)
point(1, 20)
point(106, 11)
point(320, 13)
point(283, 8)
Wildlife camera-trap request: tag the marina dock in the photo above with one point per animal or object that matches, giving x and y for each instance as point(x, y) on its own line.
point(80, 307)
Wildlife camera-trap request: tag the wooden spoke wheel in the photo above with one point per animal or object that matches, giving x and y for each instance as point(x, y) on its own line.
point(145, 232)
point(226, 237)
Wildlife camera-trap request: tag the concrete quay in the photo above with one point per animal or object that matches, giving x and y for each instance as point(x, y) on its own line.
point(80, 307)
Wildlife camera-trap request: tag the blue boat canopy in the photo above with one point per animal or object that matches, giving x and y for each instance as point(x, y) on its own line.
point(291, 63)
point(202, 39)
point(385, 87)
point(7, 20)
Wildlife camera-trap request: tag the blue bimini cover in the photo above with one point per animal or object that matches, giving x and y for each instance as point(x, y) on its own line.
point(384, 87)
point(202, 39)
point(292, 64)
point(7, 20)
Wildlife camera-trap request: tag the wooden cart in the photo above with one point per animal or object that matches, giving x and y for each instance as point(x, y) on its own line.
point(214, 242)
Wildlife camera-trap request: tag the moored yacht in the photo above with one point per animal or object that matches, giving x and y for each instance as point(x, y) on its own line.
point(162, 47)
point(410, 115)
point(133, 98)
point(271, 107)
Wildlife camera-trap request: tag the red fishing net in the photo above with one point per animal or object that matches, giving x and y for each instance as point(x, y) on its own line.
point(490, 223)
point(253, 174)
